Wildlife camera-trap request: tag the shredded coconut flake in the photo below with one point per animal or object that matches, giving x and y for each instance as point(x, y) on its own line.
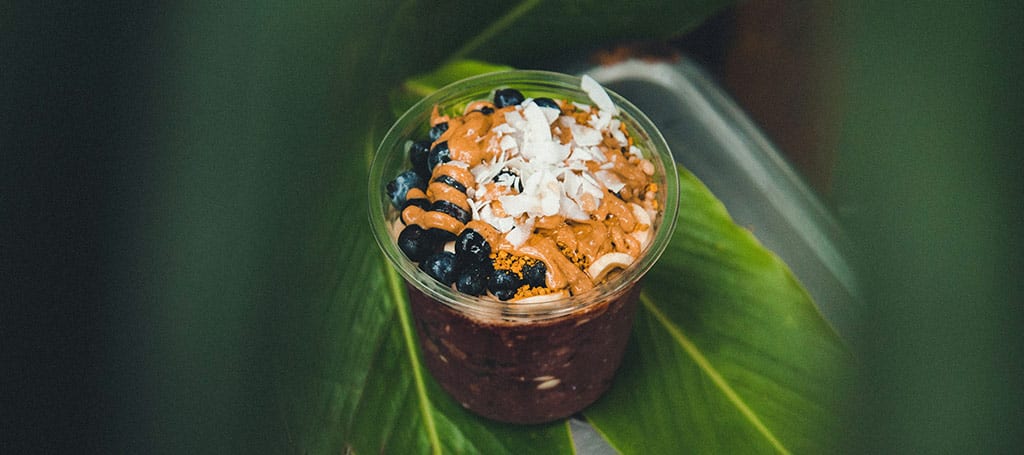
point(618, 136)
point(600, 121)
point(610, 180)
point(522, 231)
point(598, 95)
point(571, 210)
point(508, 143)
point(543, 175)
point(585, 136)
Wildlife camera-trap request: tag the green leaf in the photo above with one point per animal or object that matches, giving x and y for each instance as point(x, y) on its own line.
point(353, 379)
point(226, 296)
point(271, 284)
point(417, 87)
point(382, 399)
point(271, 118)
point(729, 353)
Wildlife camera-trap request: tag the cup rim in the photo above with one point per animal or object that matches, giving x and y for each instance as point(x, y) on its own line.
point(396, 142)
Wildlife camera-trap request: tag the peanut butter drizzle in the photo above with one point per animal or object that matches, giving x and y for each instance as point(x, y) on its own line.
point(411, 215)
point(610, 142)
point(561, 271)
point(436, 117)
point(477, 105)
point(549, 222)
point(564, 235)
point(566, 247)
point(624, 243)
point(491, 235)
point(431, 219)
point(592, 239)
point(492, 191)
point(581, 116)
point(438, 191)
point(564, 135)
point(460, 174)
point(630, 174)
point(415, 193)
point(612, 205)
point(468, 137)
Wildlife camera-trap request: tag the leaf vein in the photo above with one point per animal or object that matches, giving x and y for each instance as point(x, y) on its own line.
point(360, 398)
point(704, 364)
point(417, 369)
point(502, 23)
point(360, 392)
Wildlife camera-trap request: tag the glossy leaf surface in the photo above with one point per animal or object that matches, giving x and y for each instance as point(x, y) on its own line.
point(729, 353)
point(259, 206)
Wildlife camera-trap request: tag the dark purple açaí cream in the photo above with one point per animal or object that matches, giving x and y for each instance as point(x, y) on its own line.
point(525, 372)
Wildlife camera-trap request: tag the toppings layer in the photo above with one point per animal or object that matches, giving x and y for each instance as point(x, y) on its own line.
point(554, 191)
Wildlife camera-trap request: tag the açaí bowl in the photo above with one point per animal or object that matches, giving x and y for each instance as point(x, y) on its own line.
point(520, 363)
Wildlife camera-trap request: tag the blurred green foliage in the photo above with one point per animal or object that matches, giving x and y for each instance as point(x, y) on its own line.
point(930, 177)
point(166, 171)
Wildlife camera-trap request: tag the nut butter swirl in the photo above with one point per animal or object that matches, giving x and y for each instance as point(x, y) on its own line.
point(564, 186)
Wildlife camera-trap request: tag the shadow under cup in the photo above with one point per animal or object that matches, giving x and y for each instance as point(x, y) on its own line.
point(520, 362)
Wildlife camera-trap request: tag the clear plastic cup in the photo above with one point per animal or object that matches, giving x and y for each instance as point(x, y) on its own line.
point(520, 362)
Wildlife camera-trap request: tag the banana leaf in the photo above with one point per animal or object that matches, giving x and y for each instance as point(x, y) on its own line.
point(184, 274)
point(729, 353)
point(259, 209)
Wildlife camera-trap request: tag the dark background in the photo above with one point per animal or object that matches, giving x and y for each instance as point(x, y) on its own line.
point(933, 199)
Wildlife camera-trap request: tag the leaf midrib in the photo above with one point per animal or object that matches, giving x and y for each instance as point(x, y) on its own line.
point(705, 365)
point(394, 284)
point(497, 26)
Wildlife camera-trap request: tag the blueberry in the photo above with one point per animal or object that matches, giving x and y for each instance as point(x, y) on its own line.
point(472, 279)
point(450, 181)
point(503, 280)
point(505, 294)
point(441, 267)
point(504, 172)
point(509, 178)
point(418, 153)
point(439, 154)
point(417, 243)
point(420, 202)
point(546, 102)
point(437, 130)
point(534, 274)
point(507, 97)
point(397, 188)
point(450, 208)
point(441, 236)
point(471, 247)
point(486, 110)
